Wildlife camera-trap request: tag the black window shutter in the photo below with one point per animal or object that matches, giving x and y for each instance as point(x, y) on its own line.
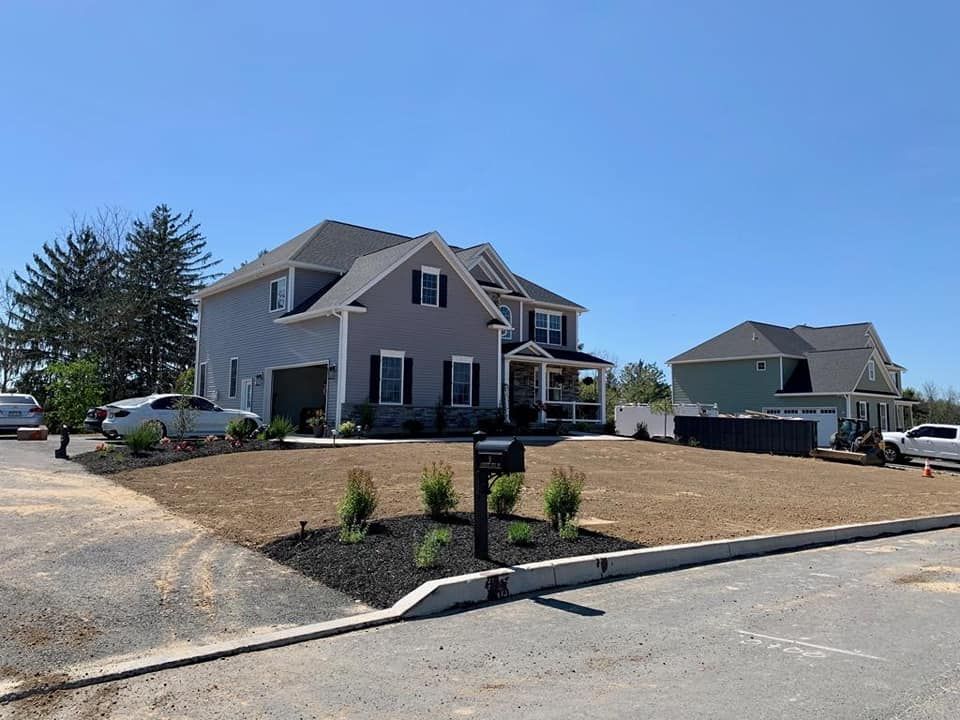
point(563, 329)
point(531, 333)
point(415, 288)
point(447, 381)
point(374, 378)
point(443, 290)
point(408, 381)
point(475, 386)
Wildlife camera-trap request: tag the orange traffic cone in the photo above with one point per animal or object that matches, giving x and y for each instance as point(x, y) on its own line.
point(927, 472)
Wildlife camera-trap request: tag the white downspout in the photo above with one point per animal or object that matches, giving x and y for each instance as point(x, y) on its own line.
point(781, 373)
point(196, 359)
point(499, 369)
point(543, 392)
point(603, 396)
point(342, 363)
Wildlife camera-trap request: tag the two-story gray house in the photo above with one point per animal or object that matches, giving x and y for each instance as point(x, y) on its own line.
point(815, 373)
point(341, 316)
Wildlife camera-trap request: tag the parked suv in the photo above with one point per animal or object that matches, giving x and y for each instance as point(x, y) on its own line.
point(923, 441)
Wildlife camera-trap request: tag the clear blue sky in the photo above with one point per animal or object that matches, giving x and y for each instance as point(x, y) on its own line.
point(676, 167)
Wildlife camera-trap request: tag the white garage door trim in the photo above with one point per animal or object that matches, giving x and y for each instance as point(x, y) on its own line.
point(825, 417)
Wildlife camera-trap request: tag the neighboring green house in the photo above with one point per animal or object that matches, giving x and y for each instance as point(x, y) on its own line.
point(814, 373)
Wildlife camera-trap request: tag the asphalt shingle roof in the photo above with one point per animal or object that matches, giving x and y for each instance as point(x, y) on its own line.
point(832, 359)
point(538, 292)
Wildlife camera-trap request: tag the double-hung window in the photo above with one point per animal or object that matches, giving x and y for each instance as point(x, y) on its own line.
point(430, 286)
point(872, 370)
point(862, 410)
point(462, 379)
point(202, 379)
point(548, 327)
point(391, 377)
point(278, 294)
point(555, 385)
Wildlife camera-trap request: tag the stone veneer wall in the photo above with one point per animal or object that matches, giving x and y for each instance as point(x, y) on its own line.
point(390, 418)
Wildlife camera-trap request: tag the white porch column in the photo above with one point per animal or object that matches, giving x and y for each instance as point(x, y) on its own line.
point(543, 392)
point(603, 396)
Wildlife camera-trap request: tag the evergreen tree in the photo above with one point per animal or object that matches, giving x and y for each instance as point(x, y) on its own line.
point(165, 262)
point(61, 301)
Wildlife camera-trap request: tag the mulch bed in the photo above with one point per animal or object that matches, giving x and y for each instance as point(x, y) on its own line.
point(381, 569)
point(119, 457)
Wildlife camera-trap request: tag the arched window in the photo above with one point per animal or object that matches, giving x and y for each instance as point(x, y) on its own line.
point(505, 311)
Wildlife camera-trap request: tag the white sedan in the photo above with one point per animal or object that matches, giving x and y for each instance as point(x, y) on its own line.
point(19, 410)
point(207, 418)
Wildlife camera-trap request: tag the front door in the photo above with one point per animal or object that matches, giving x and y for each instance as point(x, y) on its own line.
point(246, 394)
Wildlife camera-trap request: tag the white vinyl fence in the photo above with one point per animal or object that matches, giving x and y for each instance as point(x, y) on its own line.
point(627, 417)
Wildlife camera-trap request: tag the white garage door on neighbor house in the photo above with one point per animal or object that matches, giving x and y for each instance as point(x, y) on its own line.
point(825, 417)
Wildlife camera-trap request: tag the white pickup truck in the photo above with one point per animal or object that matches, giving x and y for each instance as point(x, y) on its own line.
point(923, 441)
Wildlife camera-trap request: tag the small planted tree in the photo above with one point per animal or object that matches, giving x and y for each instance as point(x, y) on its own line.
point(662, 406)
point(437, 491)
point(184, 418)
point(358, 504)
point(74, 388)
point(561, 498)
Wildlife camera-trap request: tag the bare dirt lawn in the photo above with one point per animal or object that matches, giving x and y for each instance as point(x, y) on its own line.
point(645, 492)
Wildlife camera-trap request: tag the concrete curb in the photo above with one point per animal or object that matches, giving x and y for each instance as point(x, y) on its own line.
point(437, 596)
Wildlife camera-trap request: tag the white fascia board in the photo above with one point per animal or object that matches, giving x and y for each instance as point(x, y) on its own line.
point(529, 345)
point(506, 272)
point(256, 275)
point(543, 303)
point(325, 312)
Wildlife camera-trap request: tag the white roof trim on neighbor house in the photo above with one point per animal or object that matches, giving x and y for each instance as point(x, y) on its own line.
point(881, 367)
point(739, 357)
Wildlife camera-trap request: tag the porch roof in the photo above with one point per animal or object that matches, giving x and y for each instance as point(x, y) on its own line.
point(540, 353)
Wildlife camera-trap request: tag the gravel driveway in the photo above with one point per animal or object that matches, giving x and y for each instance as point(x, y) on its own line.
point(91, 570)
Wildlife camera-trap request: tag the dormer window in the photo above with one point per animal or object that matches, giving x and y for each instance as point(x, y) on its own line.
point(278, 294)
point(430, 286)
point(872, 371)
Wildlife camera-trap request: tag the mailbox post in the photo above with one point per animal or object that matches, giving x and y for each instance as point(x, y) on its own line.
point(490, 459)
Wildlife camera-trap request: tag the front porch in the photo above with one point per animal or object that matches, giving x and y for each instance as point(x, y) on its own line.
point(540, 387)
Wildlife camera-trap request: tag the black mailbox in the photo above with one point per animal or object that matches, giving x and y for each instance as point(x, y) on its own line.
point(502, 456)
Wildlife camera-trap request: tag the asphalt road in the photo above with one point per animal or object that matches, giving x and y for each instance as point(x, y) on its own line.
point(865, 630)
point(90, 570)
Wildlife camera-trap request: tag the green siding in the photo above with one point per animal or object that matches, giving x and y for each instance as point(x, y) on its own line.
point(736, 386)
point(878, 385)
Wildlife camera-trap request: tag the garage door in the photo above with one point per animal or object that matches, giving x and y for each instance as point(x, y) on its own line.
point(825, 417)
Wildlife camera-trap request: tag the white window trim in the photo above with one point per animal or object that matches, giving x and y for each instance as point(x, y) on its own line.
point(541, 311)
point(393, 354)
point(231, 385)
point(462, 360)
point(872, 371)
point(884, 416)
point(550, 387)
point(762, 363)
point(286, 292)
point(866, 410)
point(202, 373)
point(424, 271)
point(507, 334)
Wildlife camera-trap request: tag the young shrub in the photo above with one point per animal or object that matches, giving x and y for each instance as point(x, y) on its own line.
point(142, 438)
point(436, 490)
point(642, 432)
point(368, 416)
point(561, 498)
point(505, 493)
point(569, 531)
point(240, 429)
point(359, 501)
point(352, 535)
point(520, 533)
point(440, 417)
point(693, 442)
point(427, 554)
point(280, 427)
point(348, 428)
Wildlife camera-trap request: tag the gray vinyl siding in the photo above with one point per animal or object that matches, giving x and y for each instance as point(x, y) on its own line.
point(734, 385)
point(878, 385)
point(308, 282)
point(517, 318)
point(428, 335)
point(237, 323)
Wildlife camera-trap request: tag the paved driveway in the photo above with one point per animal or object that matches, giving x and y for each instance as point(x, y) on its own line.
point(859, 631)
point(89, 570)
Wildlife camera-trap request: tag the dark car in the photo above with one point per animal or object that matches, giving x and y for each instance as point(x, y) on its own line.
point(94, 419)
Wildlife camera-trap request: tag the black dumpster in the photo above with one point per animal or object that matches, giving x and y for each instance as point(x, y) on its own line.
point(760, 435)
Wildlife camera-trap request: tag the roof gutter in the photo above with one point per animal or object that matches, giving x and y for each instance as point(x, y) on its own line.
point(325, 312)
point(257, 274)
